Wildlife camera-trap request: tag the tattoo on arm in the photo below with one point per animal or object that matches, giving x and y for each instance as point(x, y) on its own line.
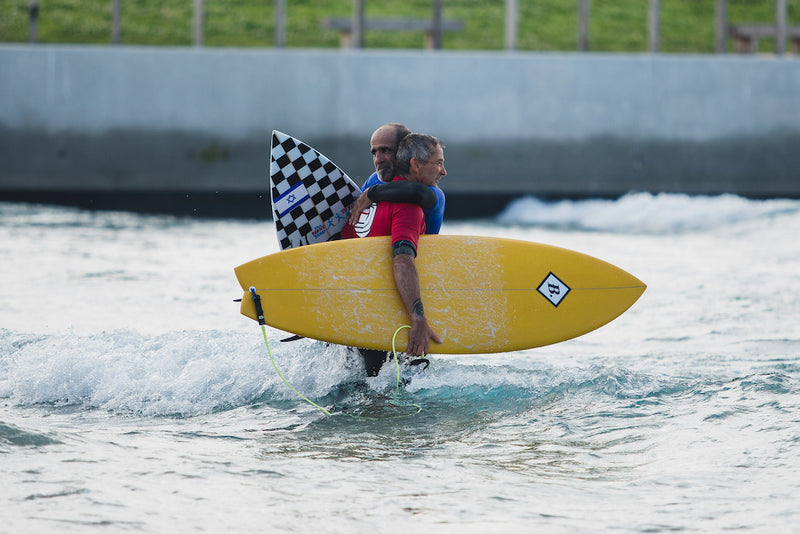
point(418, 309)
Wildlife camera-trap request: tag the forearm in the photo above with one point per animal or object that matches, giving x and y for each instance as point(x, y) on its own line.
point(398, 191)
point(403, 191)
point(406, 279)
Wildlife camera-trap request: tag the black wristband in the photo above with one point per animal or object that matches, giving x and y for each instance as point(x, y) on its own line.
point(403, 247)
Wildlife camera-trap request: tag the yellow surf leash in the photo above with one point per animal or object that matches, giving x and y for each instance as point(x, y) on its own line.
point(263, 324)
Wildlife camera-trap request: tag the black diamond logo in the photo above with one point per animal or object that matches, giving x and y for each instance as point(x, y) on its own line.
point(553, 289)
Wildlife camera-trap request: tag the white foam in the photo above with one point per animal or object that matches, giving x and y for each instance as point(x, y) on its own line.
point(176, 373)
point(644, 212)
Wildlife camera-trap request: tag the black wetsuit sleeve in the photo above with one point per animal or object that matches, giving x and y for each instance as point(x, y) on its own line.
point(403, 191)
point(404, 247)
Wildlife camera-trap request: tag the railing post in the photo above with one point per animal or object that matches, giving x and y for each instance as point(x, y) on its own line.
point(583, 25)
point(511, 24)
point(280, 23)
point(357, 38)
point(116, 16)
point(654, 25)
point(33, 21)
point(198, 22)
point(780, 22)
point(721, 25)
point(437, 24)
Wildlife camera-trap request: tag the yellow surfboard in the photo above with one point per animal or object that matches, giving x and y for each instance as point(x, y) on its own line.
point(481, 294)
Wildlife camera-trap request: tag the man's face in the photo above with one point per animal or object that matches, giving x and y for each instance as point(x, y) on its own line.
point(383, 146)
point(431, 171)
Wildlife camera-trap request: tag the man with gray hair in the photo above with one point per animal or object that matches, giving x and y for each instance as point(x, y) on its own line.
point(420, 159)
point(379, 186)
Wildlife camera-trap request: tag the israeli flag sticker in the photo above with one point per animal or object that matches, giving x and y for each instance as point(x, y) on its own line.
point(291, 199)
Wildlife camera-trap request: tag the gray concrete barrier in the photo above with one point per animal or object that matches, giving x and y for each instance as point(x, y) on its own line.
point(180, 120)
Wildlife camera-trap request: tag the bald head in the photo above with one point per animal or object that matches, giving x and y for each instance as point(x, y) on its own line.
point(383, 146)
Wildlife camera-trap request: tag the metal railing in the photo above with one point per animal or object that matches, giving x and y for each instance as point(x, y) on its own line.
point(746, 36)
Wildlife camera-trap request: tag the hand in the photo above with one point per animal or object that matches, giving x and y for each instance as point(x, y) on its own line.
point(361, 203)
point(419, 337)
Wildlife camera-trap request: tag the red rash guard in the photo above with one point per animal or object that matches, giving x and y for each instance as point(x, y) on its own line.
point(404, 222)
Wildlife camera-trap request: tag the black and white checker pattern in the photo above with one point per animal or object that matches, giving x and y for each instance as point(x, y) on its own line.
point(311, 196)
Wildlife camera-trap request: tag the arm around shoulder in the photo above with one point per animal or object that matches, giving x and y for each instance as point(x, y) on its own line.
point(403, 191)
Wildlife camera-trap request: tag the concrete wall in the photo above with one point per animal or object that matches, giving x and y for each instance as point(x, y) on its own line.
point(77, 118)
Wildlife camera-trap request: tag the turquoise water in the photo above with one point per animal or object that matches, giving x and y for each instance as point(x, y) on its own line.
point(134, 397)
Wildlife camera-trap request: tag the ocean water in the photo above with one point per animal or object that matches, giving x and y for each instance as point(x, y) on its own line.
point(135, 398)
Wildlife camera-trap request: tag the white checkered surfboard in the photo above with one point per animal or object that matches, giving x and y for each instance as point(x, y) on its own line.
point(311, 195)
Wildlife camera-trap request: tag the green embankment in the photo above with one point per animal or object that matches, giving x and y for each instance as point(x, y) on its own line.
point(687, 26)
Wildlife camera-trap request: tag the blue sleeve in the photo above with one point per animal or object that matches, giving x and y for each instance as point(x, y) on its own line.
point(372, 180)
point(434, 216)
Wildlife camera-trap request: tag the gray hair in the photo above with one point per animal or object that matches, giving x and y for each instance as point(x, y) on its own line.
point(415, 146)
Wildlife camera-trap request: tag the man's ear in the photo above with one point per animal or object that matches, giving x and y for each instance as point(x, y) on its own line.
point(414, 164)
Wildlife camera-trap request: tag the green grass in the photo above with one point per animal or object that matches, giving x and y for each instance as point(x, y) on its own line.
point(687, 26)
